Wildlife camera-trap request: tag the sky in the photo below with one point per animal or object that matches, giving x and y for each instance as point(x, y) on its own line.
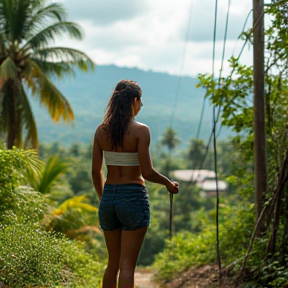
point(173, 36)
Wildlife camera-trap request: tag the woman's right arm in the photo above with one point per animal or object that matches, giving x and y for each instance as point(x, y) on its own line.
point(147, 169)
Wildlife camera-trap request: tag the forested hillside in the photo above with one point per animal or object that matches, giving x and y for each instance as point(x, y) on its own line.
point(167, 99)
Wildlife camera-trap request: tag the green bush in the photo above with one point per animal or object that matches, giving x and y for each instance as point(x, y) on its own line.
point(192, 249)
point(184, 251)
point(13, 166)
point(31, 256)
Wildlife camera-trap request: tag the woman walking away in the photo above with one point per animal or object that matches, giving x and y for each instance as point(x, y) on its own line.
point(124, 212)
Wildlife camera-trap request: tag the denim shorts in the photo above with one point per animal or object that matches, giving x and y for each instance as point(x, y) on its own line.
point(124, 206)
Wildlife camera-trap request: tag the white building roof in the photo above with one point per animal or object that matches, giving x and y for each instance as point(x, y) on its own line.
point(192, 175)
point(205, 179)
point(210, 185)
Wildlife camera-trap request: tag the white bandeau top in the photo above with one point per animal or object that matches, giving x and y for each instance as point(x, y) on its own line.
point(121, 158)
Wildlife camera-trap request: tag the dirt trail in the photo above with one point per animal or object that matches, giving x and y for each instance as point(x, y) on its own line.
point(197, 277)
point(143, 278)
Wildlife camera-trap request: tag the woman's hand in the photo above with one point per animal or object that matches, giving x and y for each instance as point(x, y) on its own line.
point(173, 187)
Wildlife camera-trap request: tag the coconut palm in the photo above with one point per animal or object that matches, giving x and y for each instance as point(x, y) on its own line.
point(170, 139)
point(28, 28)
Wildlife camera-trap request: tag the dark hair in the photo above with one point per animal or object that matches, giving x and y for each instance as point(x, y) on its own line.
point(119, 111)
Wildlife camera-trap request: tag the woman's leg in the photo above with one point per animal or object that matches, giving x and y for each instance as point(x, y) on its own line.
point(131, 242)
point(113, 243)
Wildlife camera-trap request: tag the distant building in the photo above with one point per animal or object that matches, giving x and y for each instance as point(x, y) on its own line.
point(204, 179)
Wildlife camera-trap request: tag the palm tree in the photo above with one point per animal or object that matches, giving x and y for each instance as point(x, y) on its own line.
point(196, 153)
point(27, 61)
point(169, 139)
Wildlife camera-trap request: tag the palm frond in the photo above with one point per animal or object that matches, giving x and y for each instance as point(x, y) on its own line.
point(53, 169)
point(8, 70)
point(22, 162)
point(52, 68)
point(34, 164)
point(74, 203)
point(72, 56)
point(45, 36)
point(53, 11)
point(14, 14)
point(72, 215)
point(42, 15)
point(50, 96)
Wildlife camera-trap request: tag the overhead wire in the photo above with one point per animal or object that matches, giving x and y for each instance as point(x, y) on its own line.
point(176, 98)
point(202, 110)
point(181, 64)
point(215, 149)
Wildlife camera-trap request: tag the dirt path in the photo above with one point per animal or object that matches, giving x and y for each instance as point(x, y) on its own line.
point(143, 278)
point(197, 277)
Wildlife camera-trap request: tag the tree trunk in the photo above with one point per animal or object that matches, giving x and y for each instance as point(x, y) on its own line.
point(10, 104)
point(259, 114)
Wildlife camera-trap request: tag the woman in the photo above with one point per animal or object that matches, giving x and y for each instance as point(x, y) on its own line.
point(124, 213)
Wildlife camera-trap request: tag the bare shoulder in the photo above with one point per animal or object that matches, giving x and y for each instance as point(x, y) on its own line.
point(142, 127)
point(99, 132)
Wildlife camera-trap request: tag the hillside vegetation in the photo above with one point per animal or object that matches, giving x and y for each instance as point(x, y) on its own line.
point(89, 93)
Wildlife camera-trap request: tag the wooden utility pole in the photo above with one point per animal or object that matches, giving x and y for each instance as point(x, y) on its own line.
point(259, 107)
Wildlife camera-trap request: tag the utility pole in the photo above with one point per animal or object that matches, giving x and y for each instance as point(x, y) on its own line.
point(259, 106)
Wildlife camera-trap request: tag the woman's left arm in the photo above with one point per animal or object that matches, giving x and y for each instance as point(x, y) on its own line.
point(97, 163)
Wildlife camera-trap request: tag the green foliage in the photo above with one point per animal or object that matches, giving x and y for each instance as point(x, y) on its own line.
point(30, 256)
point(14, 165)
point(232, 95)
point(188, 249)
point(53, 169)
point(184, 251)
point(73, 214)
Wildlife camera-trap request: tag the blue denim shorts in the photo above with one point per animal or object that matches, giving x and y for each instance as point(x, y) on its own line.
point(124, 205)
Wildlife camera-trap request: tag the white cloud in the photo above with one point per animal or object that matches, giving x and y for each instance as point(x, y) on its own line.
point(105, 12)
point(151, 34)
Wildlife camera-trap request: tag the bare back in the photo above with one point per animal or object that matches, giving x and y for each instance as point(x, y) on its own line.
point(123, 174)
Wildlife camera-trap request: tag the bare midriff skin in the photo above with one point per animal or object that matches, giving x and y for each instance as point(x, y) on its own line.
point(124, 174)
point(136, 139)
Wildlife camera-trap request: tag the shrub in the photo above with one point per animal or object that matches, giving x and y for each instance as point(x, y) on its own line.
point(32, 256)
point(192, 249)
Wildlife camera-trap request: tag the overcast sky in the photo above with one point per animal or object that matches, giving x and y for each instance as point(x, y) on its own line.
point(155, 35)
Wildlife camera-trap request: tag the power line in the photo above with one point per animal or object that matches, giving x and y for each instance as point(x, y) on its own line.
point(215, 148)
point(182, 64)
point(221, 69)
point(223, 56)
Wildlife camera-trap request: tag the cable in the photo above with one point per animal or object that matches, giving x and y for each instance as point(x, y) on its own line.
point(215, 151)
point(182, 64)
point(230, 76)
point(223, 56)
point(203, 105)
point(243, 29)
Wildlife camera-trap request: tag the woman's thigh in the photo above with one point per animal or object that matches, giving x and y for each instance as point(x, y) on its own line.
point(131, 243)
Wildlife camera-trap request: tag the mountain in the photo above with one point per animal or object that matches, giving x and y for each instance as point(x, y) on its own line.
point(168, 100)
